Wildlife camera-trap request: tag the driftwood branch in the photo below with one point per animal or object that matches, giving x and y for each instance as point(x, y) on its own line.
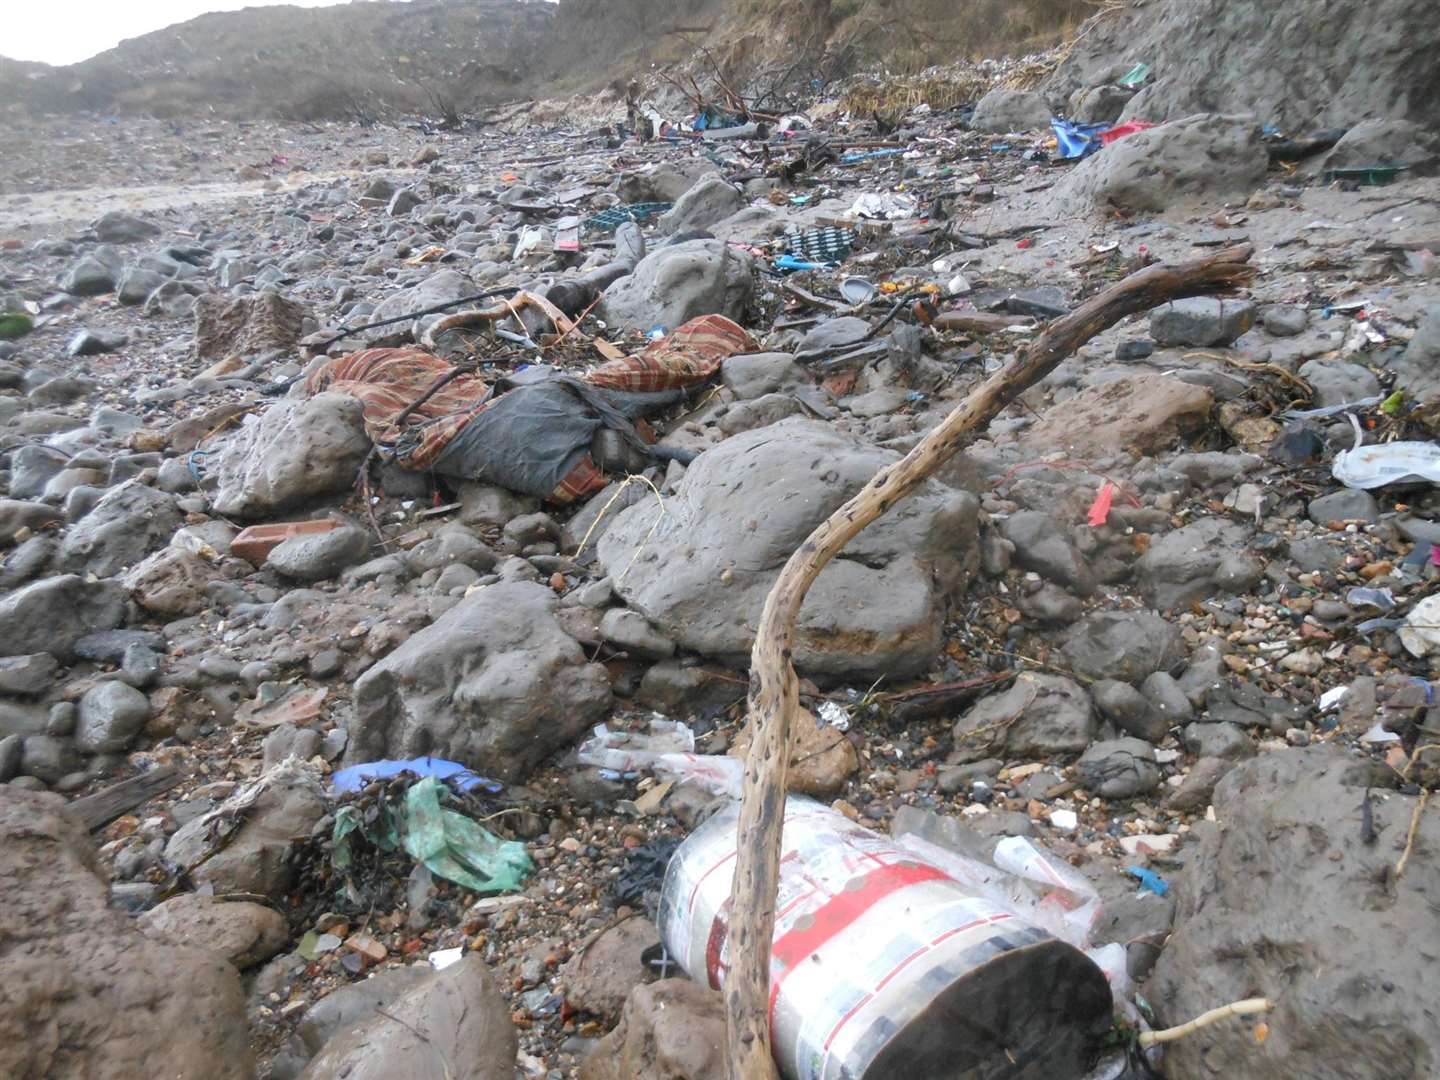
point(773, 687)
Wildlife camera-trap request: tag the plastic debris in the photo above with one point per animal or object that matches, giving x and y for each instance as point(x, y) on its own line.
point(440, 959)
point(885, 205)
point(667, 749)
point(864, 919)
point(356, 777)
point(1100, 508)
point(1135, 76)
point(1333, 698)
point(1377, 734)
point(1388, 463)
point(856, 290)
point(1076, 141)
point(457, 848)
point(833, 714)
point(1121, 131)
point(1379, 599)
point(1421, 632)
point(1149, 880)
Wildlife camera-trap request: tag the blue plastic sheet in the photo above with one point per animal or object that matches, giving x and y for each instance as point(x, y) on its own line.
point(1077, 140)
point(357, 776)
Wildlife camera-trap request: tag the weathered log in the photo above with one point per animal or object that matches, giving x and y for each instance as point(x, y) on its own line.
point(773, 685)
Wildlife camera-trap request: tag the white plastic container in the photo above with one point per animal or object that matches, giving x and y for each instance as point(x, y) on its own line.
point(884, 967)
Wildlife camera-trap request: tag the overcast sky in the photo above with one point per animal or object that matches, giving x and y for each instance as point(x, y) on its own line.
point(64, 31)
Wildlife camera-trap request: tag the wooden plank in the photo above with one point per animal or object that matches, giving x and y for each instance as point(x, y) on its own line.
point(105, 806)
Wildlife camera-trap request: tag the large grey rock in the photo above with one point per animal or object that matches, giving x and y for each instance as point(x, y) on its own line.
point(1003, 110)
point(245, 845)
point(494, 683)
point(318, 556)
point(1099, 104)
point(1122, 645)
point(89, 276)
point(1119, 769)
point(1286, 898)
point(1043, 545)
point(122, 227)
point(712, 199)
point(702, 569)
point(679, 282)
point(1039, 716)
point(347, 1006)
point(128, 523)
point(601, 974)
point(1196, 562)
point(1344, 505)
point(1384, 141)
point(754, 375)
point(1201, 157)
point(1338, 382)
point(670, 1030)
point(665, 182)
point(172, 582)
point(1418, 368)
point(1201, 322)
point(83, 994)
point(32, 467)
point(296, 451)
point(111, 714)
point(136, 284)
point(1129, 710)
point(16, 515)
point(27, 676)
point(243, 932)
point(1303, 66)
point(452, 1025)
point(439, 288)
point(53, 614)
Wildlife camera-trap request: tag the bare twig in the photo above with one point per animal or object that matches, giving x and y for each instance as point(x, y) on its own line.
point(774, 687)
point(1248, 1007)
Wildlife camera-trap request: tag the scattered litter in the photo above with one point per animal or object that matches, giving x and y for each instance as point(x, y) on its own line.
point(1377, 734)
point(356, 777)
point(883, 205)
point(1421, 632)
point(833, 714)
point(838, 882)
point(441, 959)
point(1149, 880)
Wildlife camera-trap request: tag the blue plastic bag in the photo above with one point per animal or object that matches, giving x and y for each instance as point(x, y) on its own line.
point(1077, 140)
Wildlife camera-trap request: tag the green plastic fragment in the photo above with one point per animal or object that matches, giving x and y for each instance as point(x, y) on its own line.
point(1136, 75)
point(457, 848)
point(1392, 405)
point(15, 324)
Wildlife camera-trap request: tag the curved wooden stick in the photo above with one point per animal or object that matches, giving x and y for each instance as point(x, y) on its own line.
point(773, 686)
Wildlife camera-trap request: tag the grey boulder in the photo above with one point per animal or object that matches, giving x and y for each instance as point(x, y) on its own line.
point(494, 683)
point(1182, 162)
point(1196, 562)
point(1285, 898)
point(1122, 645)
point(1003, 110)
point(245, 845)
point(452, 1025)
point(1119, 769)
point(701, 570)
point(680, 282)
point(711, 200)
point(1201, 322)
point(1039, 716)
point(318, 556)
point(297, 451)
point(128, 523)
point(111, 714)
point(53, 614)
point(82, 992)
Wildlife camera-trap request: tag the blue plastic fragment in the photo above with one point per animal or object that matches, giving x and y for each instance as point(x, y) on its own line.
point(1149, 880)
point(357, 776)
point(790, 263)
point(1075, 141)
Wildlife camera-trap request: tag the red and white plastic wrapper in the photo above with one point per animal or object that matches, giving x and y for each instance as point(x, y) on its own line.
point(883, 963)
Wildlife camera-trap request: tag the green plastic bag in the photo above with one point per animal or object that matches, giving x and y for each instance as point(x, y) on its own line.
point(455, 847)
point(1136, 75)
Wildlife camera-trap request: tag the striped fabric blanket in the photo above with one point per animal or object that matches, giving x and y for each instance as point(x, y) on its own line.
point(388, 381)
